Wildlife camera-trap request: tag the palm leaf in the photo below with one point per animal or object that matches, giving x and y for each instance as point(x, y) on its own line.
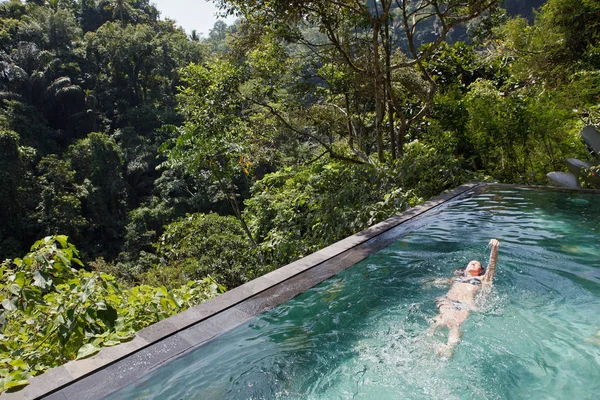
point(72, 92)
point(46, 57)
point(11, 96)
point(59, 84)
point(52, 66)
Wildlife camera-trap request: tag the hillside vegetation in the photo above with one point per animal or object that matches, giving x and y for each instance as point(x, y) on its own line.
point(178, 165)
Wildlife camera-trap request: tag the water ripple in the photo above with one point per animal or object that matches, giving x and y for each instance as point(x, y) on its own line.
point(360, 335)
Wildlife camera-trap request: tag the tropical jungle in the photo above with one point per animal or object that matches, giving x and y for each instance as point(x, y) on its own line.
point(144, 169)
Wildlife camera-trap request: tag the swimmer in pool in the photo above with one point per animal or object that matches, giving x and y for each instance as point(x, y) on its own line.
point(456, 305)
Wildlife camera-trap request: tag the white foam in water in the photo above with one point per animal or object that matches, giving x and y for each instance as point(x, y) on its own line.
point(362, 334)
point(398, 359)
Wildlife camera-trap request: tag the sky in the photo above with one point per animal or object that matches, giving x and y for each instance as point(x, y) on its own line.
point(191, 14)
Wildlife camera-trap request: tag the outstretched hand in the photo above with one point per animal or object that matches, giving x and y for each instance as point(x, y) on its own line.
point(491, 268)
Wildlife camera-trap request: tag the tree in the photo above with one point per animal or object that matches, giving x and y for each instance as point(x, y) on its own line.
point(12, 177)
point(120, 9)
point(194, 37)
point(56, 86)
point(136, 66)
point(58, 29)
point(523, 8)
point(174, 195)
point(518, 135)
point(135, 11)
point(364, 36)
point(217, 38)
point(218, 31)
point(298, 210)
point(200, 245)
point(60, 205)
point(13, 9)
point(564, 40)
point(34, 76)
point(127, 56)
point(98, 164)
point(214, 136)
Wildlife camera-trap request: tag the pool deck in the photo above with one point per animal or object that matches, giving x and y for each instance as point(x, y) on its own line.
point(116, 367)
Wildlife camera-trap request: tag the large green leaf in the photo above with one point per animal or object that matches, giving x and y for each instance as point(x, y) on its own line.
point(15, 379)
point(62, 239)
point(13, 384)
point(87, 350)
point(42, 280)
point(108, 315)
point(20, 364)
point(76, 316)
point(14, 288)
point(9, 305)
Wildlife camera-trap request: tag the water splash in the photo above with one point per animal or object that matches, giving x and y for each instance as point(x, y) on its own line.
point(362, 334)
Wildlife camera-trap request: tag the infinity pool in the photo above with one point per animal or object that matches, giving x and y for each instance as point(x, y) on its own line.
point(361, 334)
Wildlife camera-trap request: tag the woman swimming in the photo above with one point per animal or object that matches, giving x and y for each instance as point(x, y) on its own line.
point(456, 305)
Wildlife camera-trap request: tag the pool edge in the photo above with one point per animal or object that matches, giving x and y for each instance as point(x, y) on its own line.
point(169, 338)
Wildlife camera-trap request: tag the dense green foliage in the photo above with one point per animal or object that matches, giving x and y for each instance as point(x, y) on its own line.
point(200, 245)
point(98, 145)
point(168, 158)
point(52, 312)
point(296, 211)
point(87, 86)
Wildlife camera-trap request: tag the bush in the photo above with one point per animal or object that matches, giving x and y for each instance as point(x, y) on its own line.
point(518, 138)
point(52, 313)
point(201, 245)
point(297, 211)
point(428, 171)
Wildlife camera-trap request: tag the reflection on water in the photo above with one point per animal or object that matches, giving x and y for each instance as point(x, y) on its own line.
point(360, 335)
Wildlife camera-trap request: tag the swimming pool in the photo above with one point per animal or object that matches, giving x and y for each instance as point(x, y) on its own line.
point(360, 334)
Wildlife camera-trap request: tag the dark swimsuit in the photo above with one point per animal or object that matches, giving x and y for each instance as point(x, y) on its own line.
point(458, 305)
point(472, 281)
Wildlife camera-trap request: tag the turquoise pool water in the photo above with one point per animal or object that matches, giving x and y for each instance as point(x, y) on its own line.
point(360, 334)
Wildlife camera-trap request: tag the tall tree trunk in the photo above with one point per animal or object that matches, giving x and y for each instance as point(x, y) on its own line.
point(379, 101)
point(349, 120)
point(236, 209)
point(401, 135)
point(392, 130)
point(390, 93)
point(397, 111)
point(238, 214)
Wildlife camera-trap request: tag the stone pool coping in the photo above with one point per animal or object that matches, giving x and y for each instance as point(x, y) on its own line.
point(115, 367)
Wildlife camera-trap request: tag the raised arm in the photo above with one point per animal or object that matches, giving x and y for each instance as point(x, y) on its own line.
point(491, 268)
